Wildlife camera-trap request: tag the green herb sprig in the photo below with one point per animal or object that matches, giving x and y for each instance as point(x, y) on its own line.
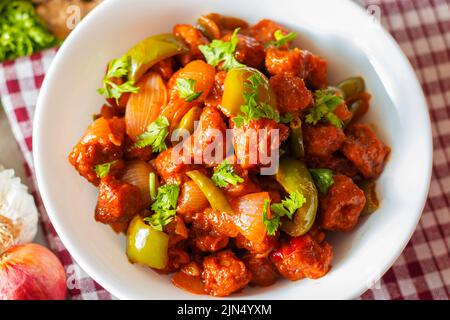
point(22, 32)
point(224, 174)
point(222, 51)
point(186, 89)
point(281, 39)
point(252, 107)
point(155, 136)
point(164, 206)
point(286, 207)
point(325, 102)
point(117, 68)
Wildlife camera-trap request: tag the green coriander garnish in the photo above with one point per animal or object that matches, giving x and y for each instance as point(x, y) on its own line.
point(224, 174)
point(325, 101)
point(222, 51)
point(186, 89)
point(252, 107)
point(164, 206)
point(155, 136)
point(117, 68)
point(281, 39)
point(102, 170)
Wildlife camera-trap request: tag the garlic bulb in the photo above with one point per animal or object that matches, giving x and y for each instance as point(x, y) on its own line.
point(18, 213)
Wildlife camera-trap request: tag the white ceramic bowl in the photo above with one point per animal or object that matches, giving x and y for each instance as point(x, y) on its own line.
point(340, 31)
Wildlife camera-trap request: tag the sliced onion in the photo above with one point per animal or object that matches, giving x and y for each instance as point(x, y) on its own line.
point(105, 131)
point(249, 219)
point(144, 107)
point(137, 173)
point(203, 75)
point(192, 199)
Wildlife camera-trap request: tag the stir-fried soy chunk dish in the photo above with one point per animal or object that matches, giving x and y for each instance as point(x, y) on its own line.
point(225, 156)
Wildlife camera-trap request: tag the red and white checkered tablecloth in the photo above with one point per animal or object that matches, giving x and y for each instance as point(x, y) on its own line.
point(422, 28)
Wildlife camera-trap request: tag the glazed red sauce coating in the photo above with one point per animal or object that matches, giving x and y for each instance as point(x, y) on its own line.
point(263, 31)
point(178, 257)
point(258, 249)
point(165, 68)
point(177, 231)
point(248, 51)
point(209, 136)
point(132, 152)
point(214, 98)
point(285, 62)
point(215, 222)
point(242, 188)
point(252, 148)
point(208, 242)
point(193, 38)
point(103, 142)
point(322, 140)
point(336, 162)
point(117, 201)
point(365, 150)
point(301, 257)
point(292, 94)
point(170, 167)
point(264, 272)
point(210, 250)
point(312, 69)
point(340, 208)
point(223, 274)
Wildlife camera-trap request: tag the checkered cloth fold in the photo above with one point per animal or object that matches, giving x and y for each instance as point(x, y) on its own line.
point(422, 28)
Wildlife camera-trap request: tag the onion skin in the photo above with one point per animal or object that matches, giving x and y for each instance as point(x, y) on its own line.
point(191, 199)
point(137, 173)
point(203, 75)
point(249, 209)
point(144, 107)
point(31, 272)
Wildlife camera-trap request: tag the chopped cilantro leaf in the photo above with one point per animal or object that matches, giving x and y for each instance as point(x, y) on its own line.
point(164, 206)
point(252, 107)
point(117, 69)
point(271, 224)
point(325, 101)
point(186, 89)
point(102, 170)
point(281, 39)
point(155, 136)
point(222, 51)
point(224, 174)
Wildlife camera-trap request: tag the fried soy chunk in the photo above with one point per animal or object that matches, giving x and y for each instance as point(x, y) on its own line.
point(223, 274)
point(303, 257)
point(117, 201)
point(322, 140)
point(103, 142)
point(341, 207)
point(365, 150)
point(292, 94)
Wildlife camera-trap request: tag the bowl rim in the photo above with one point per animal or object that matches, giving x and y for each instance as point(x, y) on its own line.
point(91, 269)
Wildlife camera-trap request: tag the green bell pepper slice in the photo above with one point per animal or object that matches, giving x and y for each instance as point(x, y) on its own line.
point(152, 50)
point(296, 138)
point(146, 245)
point(372, 203)
point(213, 194)
point(234, 89)
point(188, 120)
point(294, 176)
point(351, 87)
